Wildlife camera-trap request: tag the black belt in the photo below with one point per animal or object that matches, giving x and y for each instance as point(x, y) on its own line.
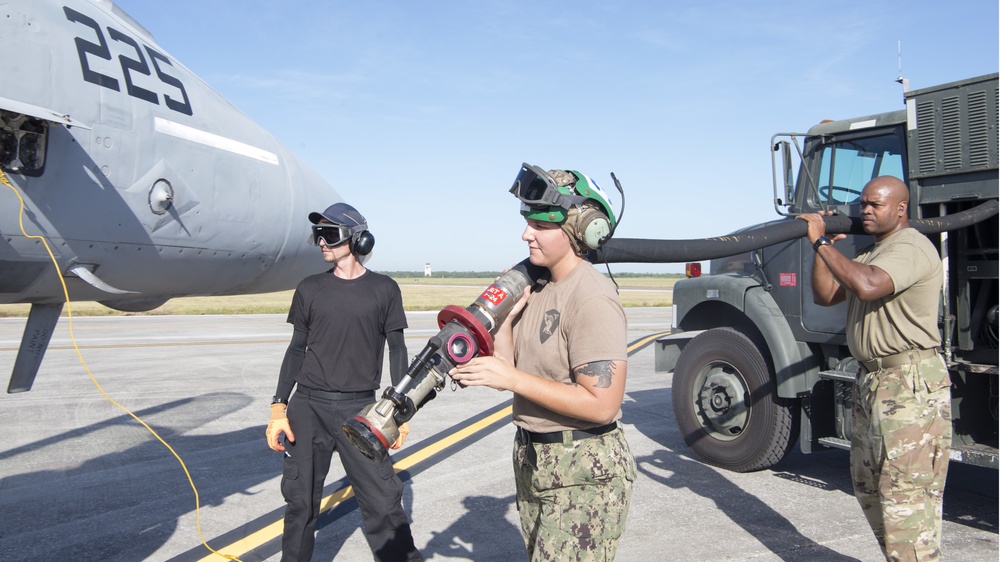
point(560, 436)
point(334, 395)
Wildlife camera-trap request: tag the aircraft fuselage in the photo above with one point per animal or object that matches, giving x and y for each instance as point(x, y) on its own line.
point(146, 183)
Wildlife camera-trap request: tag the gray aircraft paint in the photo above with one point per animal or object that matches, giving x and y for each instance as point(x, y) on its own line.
point(146, 183)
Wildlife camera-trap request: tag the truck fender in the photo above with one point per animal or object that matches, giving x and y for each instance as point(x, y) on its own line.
point(669, 348)
point(746, 305)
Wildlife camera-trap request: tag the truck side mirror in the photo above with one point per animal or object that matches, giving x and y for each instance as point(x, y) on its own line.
point(786, 166)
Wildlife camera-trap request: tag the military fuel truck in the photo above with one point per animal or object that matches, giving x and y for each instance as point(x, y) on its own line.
point(756, 364)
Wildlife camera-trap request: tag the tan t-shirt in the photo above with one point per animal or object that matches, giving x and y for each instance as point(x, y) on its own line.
point(907, 318)
point(567, 324)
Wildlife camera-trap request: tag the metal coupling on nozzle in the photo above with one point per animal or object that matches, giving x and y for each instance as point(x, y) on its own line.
point(373, 430)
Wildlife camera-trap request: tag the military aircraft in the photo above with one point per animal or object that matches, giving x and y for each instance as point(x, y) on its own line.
point(145, 182)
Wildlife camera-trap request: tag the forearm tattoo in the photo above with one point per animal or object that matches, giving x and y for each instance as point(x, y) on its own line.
point(603, 370)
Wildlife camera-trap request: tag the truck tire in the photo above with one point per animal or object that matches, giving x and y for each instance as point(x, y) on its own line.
point(726, 403)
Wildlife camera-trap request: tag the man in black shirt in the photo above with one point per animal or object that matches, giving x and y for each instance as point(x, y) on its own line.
point(342, 320)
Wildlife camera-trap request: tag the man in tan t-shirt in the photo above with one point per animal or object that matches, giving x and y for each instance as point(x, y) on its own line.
point(901, 415)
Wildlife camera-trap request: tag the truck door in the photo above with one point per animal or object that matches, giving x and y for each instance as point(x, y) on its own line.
point(841, 165)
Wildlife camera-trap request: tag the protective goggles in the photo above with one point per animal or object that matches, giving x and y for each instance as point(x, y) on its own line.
point(332, 235)
point(535, 188)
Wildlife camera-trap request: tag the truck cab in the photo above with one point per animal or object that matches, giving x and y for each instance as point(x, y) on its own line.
point(758, 366)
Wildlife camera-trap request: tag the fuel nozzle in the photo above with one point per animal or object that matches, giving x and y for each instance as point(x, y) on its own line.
point(465, 333)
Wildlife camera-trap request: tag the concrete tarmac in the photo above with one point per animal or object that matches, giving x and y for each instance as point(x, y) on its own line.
point(80, 479)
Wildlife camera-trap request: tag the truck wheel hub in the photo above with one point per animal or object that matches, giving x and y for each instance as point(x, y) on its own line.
point(722, 404)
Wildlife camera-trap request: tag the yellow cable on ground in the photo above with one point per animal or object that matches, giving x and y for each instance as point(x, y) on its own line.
point(69, 313)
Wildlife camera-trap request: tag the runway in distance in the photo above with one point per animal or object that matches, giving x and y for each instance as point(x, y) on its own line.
point(145, 183)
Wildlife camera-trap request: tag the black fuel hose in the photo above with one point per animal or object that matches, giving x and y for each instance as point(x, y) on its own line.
point(642, 250)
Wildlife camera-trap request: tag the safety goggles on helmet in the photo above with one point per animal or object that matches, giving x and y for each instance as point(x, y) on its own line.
point(536, 189)
point(332, 235)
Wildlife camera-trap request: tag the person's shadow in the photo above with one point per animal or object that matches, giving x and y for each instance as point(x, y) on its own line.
point(482, 533)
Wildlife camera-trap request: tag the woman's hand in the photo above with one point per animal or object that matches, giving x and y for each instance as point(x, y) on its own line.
point(492, 371)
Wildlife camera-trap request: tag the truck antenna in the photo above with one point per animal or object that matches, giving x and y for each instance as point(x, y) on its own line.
point(899, 60)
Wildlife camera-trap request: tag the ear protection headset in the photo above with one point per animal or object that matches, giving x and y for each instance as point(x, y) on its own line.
point(592, 226)
point(362, 243)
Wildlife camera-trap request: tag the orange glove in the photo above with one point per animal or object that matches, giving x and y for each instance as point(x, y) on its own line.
point(276, 427)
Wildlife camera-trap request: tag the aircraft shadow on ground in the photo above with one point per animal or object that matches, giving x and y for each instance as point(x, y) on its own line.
point(127, 503)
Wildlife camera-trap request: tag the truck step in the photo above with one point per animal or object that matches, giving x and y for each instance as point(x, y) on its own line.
point(978, 455)
point(834, 375)
point(836, 443)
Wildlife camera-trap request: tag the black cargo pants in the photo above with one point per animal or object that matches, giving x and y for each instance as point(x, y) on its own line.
point(316, 419)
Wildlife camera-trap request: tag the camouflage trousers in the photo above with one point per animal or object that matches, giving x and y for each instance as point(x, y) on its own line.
point(573, 501)
point(900, 442)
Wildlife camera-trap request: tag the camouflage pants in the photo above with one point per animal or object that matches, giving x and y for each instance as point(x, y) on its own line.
point(573, 506)
point(901, 439)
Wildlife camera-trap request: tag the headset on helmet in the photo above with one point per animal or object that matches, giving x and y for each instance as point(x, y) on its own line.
point(544, 198)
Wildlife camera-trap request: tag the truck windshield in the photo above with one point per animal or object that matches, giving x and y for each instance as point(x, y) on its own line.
point(842, 166)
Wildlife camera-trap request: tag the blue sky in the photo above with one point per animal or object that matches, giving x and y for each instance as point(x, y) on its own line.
point(420, 113)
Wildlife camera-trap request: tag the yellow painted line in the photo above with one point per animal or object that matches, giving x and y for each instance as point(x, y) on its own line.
point(439, 446)
point(274, 530)
point(644, 341)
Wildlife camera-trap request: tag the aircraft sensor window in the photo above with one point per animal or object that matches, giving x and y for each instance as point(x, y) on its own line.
point(22, 143)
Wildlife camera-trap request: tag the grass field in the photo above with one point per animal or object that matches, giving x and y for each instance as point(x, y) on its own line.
point(419, 293)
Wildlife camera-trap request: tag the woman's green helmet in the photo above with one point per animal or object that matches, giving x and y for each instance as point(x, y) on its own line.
point(548, 196)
